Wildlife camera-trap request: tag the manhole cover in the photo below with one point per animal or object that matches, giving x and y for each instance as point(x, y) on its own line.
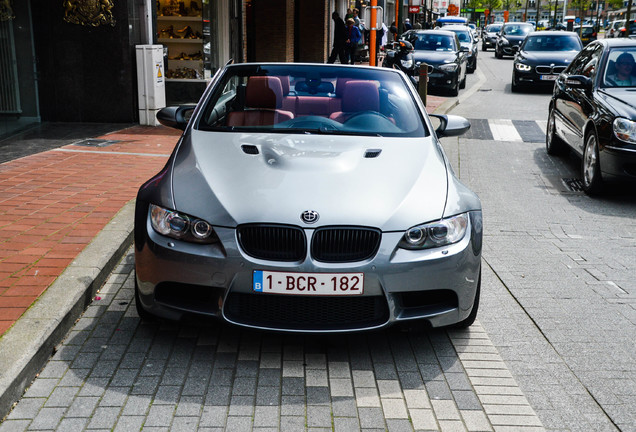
point(573, 184)
point(95, 142)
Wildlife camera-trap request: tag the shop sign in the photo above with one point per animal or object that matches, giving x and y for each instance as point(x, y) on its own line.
point(414, 9)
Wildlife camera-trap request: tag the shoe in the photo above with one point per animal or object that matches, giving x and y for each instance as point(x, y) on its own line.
point(168, 32)
point(188, 33)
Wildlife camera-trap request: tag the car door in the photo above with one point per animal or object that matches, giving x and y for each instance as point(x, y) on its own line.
point(573, 106)
point(462, 58)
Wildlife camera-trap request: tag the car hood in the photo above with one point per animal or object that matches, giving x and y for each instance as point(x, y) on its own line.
point(549, 57)
point(434, 57)
point(621, 100)
point(214, 179)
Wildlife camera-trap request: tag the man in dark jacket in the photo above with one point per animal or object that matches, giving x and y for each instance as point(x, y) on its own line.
point(339, 40)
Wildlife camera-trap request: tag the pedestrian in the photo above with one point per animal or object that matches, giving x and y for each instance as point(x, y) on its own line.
point(407, 24)
point(339, 40)
point(349, 14)
point(356, 18)
point(393, 30)
point(417, 25)
point(353, 39)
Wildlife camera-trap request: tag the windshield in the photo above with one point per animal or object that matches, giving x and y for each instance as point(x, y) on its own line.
point(517, 29)
point(336, 100)
point(621, 68)
point(552, 43)
point(434, 42)
point(463, 35)
point(493, 28)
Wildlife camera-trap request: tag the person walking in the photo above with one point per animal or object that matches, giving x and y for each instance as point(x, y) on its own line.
point(339, 40)
point(353, 39)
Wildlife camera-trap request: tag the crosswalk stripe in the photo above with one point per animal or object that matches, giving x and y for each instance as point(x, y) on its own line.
point(504, 130)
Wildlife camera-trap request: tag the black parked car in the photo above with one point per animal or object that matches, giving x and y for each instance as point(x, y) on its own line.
point(489, 36)
point(593, 112)
point(441, 50)
point(542, 57)
point(587, 35)
point(467, 40)
point(510, 37)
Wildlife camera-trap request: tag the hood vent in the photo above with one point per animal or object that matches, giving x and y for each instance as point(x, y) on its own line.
point(250, 149)
point(372, 153)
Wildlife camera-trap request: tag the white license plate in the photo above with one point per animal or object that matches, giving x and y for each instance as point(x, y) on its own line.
point(308, 283)
point(549, 77)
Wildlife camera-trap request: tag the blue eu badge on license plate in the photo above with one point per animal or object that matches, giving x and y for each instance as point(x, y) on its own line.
point(258, 280)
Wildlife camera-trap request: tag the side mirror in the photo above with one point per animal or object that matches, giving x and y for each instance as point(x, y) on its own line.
point(464, 49)
point(450, 125)
point(579, 81)
point(176, 116)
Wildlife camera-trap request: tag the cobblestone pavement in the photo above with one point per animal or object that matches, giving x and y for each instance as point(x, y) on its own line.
point(113, 372)
point(560, 302)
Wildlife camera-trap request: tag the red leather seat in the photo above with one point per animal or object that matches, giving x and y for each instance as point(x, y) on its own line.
point(357, 96)
point(263, 100)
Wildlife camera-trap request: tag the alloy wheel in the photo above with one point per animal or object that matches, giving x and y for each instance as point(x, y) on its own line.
point(592, 181)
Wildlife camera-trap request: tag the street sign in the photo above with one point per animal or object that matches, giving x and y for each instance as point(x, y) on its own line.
point(414, 9)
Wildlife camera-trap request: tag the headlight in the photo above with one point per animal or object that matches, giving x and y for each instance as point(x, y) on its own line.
point(523, 67)
point(436, 234)
point(407, 63)
point(625, 130)
point(451, 67)
point(180, 226)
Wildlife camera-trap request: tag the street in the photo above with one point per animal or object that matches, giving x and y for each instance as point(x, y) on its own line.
point(553, 347)
point(561, 293)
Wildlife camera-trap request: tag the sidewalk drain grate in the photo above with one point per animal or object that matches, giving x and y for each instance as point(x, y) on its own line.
point(95, 142)
point(573, 184)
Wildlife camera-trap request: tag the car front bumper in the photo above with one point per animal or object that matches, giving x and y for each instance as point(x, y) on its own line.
point(618, 160)
point(523, 78)
point(442, 79)
point(435, 285)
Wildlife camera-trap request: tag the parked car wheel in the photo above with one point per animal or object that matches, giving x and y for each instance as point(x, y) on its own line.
point(591, 170)
point(553, 144)
point(483, 47)
point(498, 54)
point(462, 84)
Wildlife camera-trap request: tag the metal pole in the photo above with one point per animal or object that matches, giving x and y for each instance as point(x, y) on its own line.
point(372, 33)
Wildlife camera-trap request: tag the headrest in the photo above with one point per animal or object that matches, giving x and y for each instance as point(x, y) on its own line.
point(264, 92)
point(284, 80)
point(340, 85)
point(360, 96)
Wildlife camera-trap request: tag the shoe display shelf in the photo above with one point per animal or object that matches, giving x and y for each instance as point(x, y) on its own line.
point(182, 36)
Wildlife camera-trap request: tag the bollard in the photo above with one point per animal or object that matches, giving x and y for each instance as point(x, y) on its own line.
point(422, 89)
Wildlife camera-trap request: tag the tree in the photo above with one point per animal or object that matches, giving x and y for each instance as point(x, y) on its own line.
point(491, 5)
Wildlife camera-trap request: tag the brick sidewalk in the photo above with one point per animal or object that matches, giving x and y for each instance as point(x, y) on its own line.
point(54, 203)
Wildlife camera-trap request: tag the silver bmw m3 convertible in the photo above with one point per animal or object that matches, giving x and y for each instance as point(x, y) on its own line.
point(309, 198)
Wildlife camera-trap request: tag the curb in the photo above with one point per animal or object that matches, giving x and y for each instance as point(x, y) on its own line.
point(27, 346)
point(446, 106)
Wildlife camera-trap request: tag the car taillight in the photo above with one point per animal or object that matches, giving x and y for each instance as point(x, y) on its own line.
point(594, 34)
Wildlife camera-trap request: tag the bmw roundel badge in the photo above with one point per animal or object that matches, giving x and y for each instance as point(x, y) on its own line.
point(309, 216)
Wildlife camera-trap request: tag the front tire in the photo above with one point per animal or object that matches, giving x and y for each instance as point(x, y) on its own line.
point(497, 54)
point(143, 313)
point(554, 145)
point(473, 313)
point(590, 166)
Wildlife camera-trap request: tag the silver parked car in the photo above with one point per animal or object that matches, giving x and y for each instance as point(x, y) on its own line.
point(311, 198)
